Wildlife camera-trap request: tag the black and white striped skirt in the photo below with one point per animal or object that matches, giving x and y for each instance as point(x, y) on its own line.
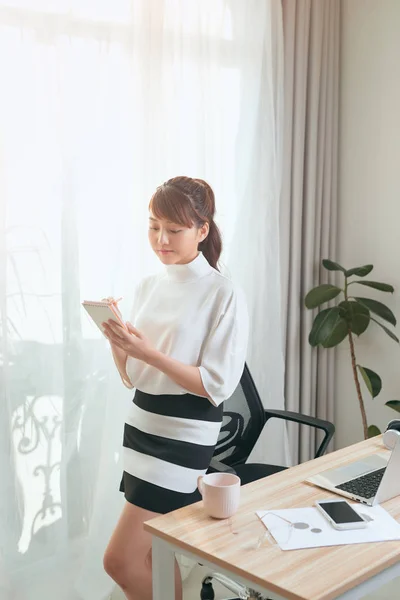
point(169, 441)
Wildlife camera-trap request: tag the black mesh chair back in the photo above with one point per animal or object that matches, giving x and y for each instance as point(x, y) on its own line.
point(244, 419)
point(242, 423)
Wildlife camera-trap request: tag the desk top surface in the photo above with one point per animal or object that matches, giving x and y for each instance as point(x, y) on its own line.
point(310, 574)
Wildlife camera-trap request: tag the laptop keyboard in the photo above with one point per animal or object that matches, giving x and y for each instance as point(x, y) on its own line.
point(365, 486)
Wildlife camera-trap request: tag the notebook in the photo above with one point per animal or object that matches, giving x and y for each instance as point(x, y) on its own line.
point(103, 310)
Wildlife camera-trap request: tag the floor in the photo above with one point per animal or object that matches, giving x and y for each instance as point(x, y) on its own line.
point(192, 586)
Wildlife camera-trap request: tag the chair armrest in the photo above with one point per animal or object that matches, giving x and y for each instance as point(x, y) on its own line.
point(288, 415)
point(217, 466)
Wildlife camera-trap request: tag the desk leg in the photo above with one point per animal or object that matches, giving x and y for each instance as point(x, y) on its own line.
point(163, 567)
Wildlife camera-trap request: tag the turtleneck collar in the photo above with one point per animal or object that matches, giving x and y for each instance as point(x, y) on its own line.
point(197, 268)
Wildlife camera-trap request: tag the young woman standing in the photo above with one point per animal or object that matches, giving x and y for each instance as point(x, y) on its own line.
point(184, 355)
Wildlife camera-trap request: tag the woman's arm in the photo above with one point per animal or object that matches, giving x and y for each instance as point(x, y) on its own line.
point(136, 345)
point(119, 355)
point(186, 376)
point(120, 358)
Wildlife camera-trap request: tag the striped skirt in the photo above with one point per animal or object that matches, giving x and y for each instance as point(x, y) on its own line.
point(168, 442)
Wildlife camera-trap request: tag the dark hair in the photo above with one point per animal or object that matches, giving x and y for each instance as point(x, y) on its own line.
point(189, 202)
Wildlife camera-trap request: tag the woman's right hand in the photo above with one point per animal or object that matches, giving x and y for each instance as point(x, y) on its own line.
point(116, 350)
point(110, 299)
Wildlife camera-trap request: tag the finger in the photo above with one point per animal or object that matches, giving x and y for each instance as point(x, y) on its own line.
point(113, 330)
point(120, 345)
point(133, 330)
point(113, 337)
point(116, 340)
point(107, 330)
point(119, 330)
point(113, 340)
point(115, 325)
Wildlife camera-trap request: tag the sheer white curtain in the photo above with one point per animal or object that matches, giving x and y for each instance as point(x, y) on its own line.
point(100, 102)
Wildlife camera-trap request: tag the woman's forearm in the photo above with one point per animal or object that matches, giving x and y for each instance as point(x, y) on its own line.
point(186, 376)
point(120, 357)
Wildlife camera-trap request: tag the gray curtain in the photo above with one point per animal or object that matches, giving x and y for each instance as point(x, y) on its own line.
point(309, 200)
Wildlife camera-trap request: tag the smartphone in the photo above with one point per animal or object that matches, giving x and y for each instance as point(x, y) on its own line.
point(340, 514)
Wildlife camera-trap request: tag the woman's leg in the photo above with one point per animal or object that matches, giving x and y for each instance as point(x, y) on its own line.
point(128, 555)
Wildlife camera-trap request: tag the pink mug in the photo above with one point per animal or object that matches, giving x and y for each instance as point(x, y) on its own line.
point(221, 494)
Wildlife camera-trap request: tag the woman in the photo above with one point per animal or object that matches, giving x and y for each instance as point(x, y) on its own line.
point(185, 356)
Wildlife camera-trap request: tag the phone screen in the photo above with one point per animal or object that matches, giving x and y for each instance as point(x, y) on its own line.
point(341, 512)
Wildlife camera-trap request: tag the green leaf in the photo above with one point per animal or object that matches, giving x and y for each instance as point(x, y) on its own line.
point(379, 309)
point(395, 404)
point(360, 271)
point(332, 266)
point(371, 380)
point(390, 333)
point(323, 326)
point(338, 329)
point(356, 315)
point(373, 430)
point(319, 330)
point(383, 287)
point(322, 293)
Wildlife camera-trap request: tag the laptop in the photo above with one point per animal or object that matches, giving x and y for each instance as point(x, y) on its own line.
point(371, 480)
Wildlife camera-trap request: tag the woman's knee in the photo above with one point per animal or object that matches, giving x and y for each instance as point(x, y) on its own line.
point(118, 568)
point(127, 571)
point(126, 558)
point(114, 565)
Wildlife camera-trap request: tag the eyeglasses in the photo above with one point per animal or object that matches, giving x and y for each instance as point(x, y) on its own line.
point(285, 523)
point(281, 530)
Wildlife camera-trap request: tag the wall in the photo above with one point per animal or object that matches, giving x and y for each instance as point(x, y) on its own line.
point(369, 193)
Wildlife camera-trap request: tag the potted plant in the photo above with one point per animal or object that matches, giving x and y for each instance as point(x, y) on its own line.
point(351, 316)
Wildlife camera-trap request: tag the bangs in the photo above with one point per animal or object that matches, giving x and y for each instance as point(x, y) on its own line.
point(169, 204)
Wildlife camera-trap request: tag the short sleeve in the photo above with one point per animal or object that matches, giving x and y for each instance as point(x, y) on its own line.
point(224, 356)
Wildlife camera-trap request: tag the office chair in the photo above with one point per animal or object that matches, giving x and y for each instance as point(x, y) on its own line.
point(243, 421)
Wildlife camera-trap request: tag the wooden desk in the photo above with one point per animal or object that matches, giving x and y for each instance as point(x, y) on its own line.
point(345, 572)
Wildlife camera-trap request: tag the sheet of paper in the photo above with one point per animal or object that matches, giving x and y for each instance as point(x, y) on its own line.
point(311, 530)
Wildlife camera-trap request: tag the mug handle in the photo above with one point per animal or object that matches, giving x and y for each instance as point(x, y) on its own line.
point(200, 484)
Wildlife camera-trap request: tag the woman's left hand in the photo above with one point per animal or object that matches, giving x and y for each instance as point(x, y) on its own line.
point(132, 341)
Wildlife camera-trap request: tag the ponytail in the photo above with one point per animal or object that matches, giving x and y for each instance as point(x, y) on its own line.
point(211, 247)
